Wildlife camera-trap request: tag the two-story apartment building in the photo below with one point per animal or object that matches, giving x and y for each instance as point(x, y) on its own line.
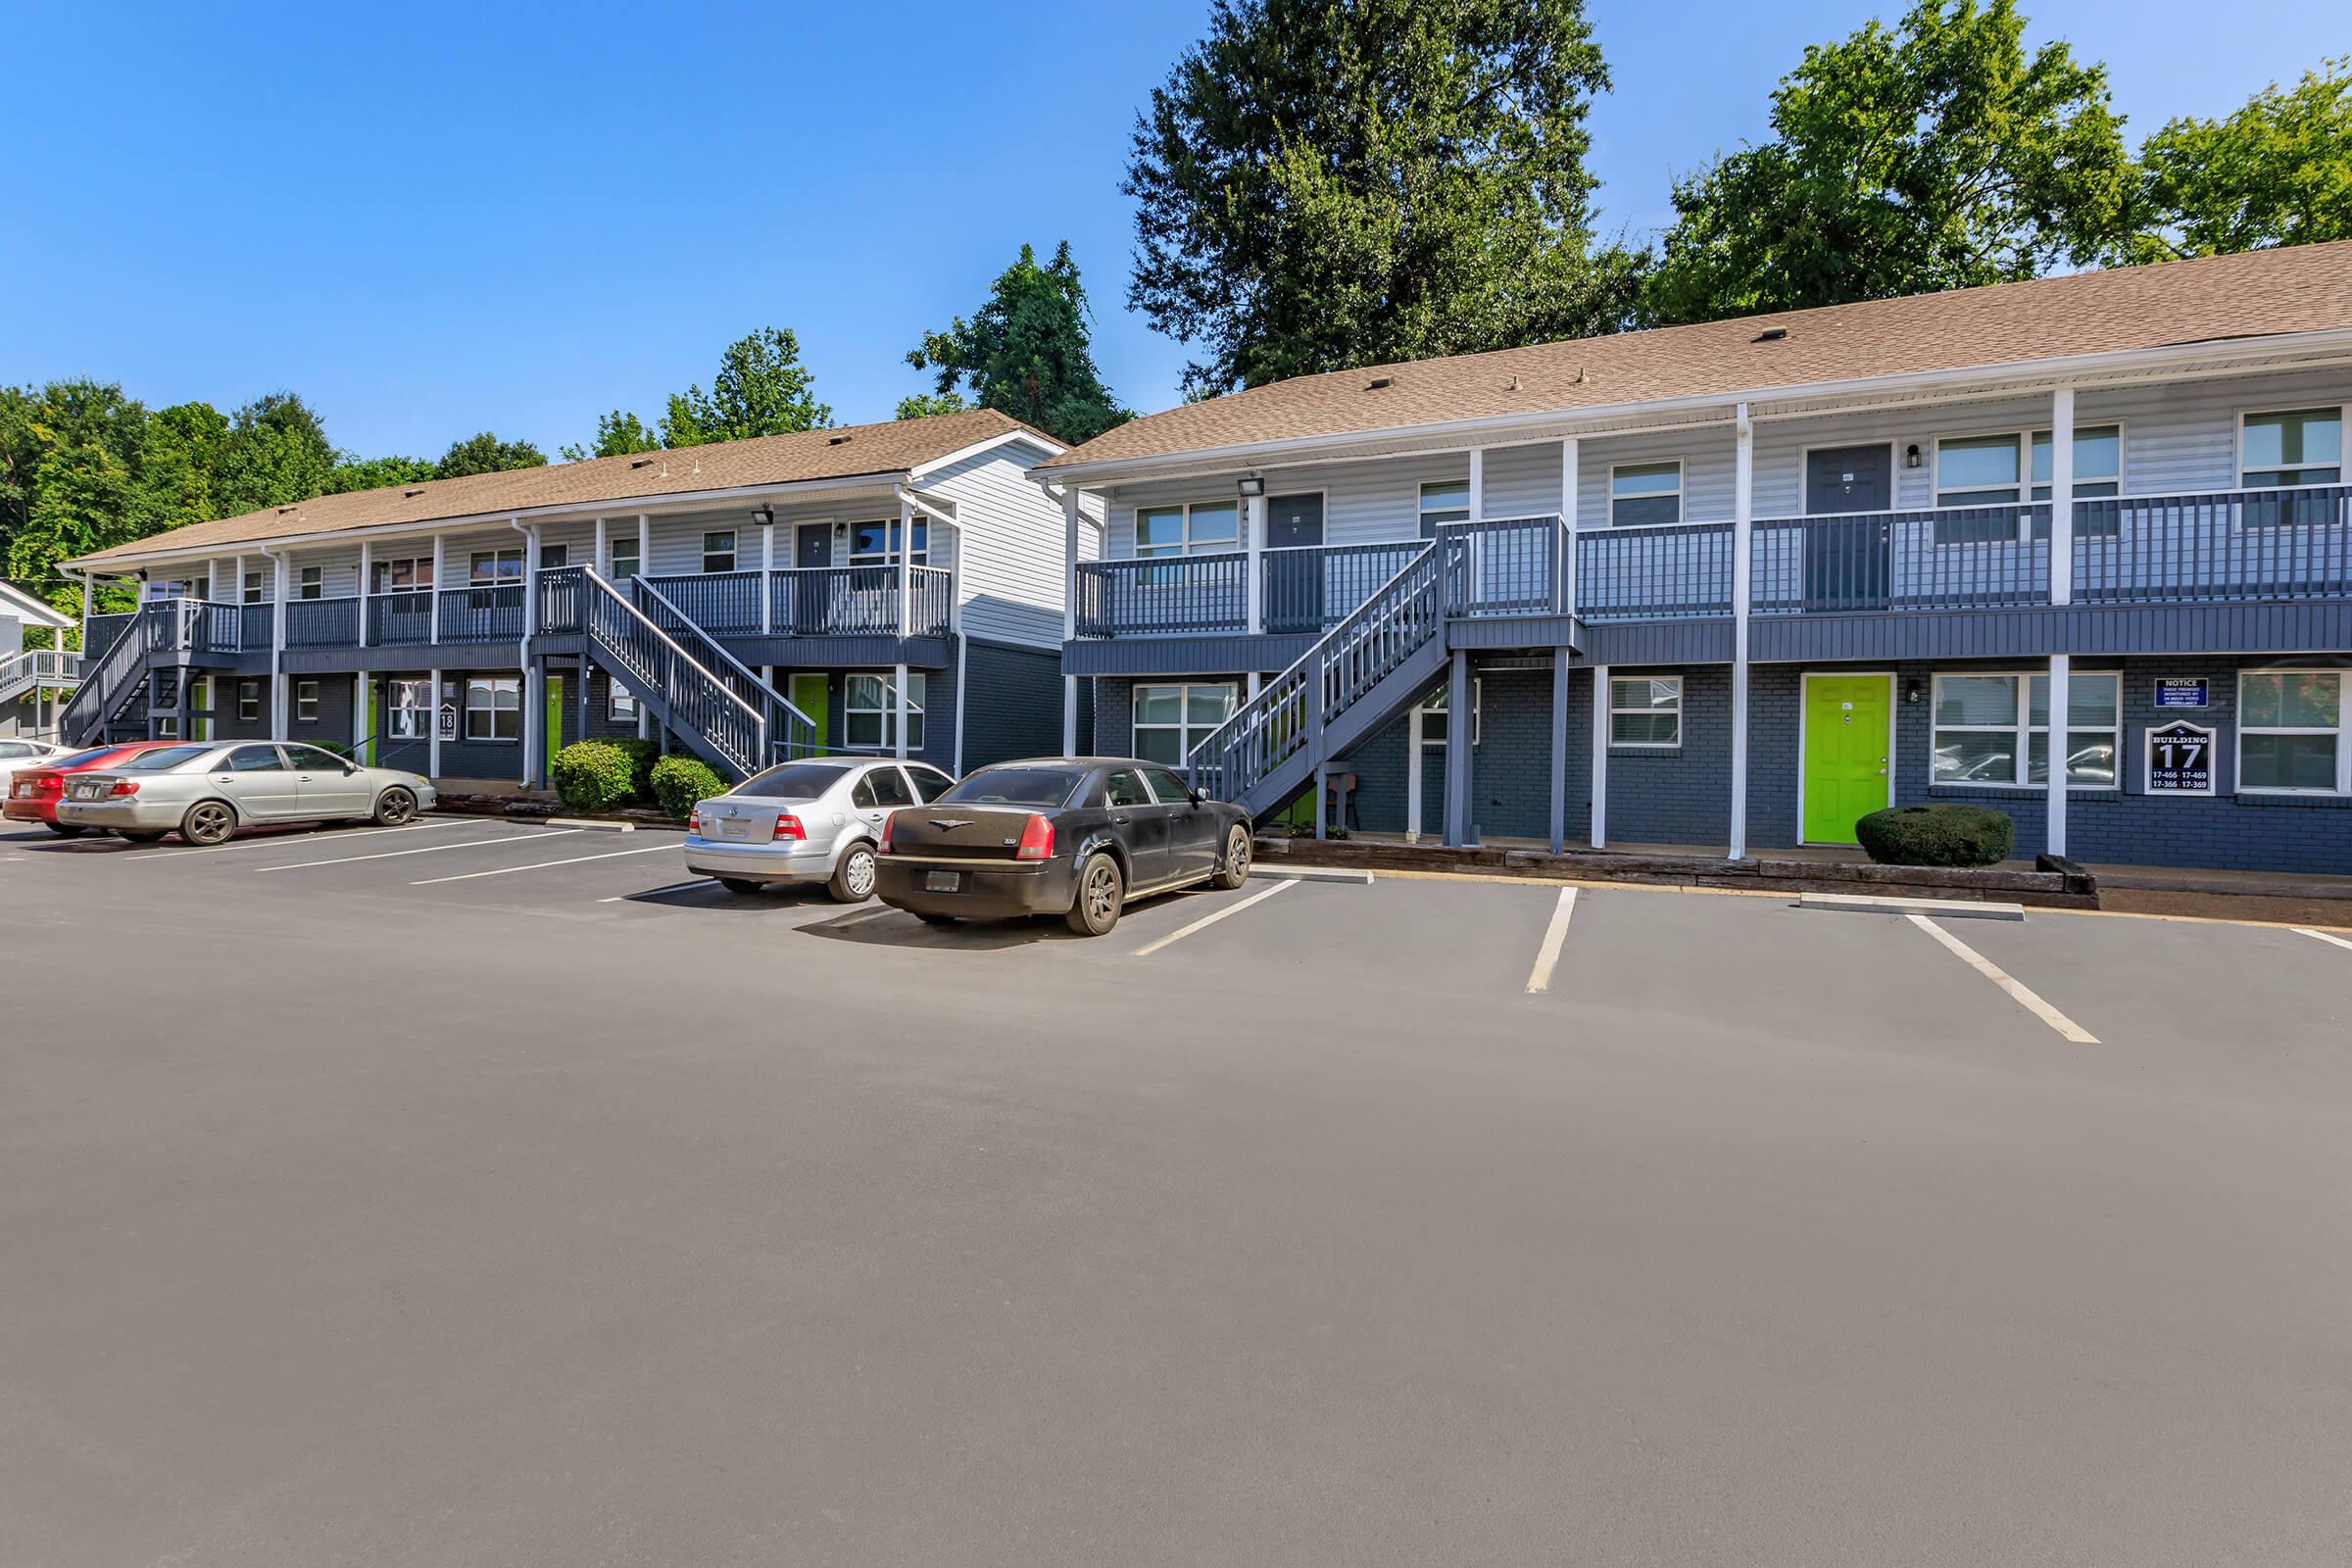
point(35, 682)
point(1739, 584)
point(888, 588)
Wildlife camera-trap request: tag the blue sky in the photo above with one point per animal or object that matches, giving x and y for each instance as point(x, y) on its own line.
point(432, 220)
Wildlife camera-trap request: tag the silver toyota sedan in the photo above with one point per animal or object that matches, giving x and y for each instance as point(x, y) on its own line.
point(207, 790)
point(815, 820)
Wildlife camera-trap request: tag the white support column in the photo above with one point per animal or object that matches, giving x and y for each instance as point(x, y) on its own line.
point(363, 714)
point(644, 544)
point(440, 580)
point(236, 593)
point(905, 611)
point(281, 571)
point(2062, 498)
point(1253, 511)
point(2061, 670)
point(598, 560)
point(367, 571)
point(1601, 756)
point(1070, 524)
point(432, 713)
point(1743, 498)
point(534, 711)
point(1568, 495)
point(1478, 484)
point(1460, 732)
point(768, 568)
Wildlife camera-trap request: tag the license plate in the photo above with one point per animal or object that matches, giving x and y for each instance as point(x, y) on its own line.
point(87, 792)
point(943, 881)
point(733, 828)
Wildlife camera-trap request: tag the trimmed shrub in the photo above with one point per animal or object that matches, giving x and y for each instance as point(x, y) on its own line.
point(1945, 833)
point(681, 781)
point(642, 756)
point(592, 776)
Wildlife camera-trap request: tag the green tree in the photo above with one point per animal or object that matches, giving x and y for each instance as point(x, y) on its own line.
point(762, 388)
point(356, 472)
point(2279, 171)
point(275, 451)
point(923, 405)
point(1322, 185)
point(1025, 353)
point(74, 452)
point(485, 453)
point(618, 434)
point(1928, 156)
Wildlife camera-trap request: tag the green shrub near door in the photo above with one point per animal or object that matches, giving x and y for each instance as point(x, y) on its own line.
point(592, 777)
point(681, 781)
point(1945, 833)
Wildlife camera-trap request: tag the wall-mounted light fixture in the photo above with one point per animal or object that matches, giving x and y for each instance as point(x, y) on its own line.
point(1911, 455)
point(764, 515)
point(841, 530)
point(1253, 485)
point(1912, 694)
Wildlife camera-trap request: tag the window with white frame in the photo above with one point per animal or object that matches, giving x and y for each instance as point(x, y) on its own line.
point(409, 710)
point(1645, 492)
point(403, 574)
point(493, 709)
point(2290, 732)
point(625, 557)
point(718, 550)
point(491, 567)
point(870, 711)
point(553, 556)
point(1994, 730)
point(249, 702)
point(621, 705)
point(312, 583)
point(2300, 446)
point(1443, 500)
point(306, 701)
point(1646, 711)
point(1170, 719)
point(876, 543)
point(253, 588)
point(2098, 462)
point(2000, 470)
point(1437, 718)
point(1203, 528)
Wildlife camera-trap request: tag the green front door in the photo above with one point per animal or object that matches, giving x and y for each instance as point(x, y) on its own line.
point(1848, 753)
point(554, 716)
point(808, 696)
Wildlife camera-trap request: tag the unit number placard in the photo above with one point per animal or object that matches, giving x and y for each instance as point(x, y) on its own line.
point(2179, 760)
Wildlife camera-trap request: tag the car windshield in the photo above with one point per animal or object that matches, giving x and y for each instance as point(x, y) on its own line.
point(156, 761)
point(791, 781)
point(1015, 786)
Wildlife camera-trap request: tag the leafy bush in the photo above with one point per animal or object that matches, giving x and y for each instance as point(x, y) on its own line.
point(681, 781)
point(592, 776)
point(1947, 833)
point(642, 754)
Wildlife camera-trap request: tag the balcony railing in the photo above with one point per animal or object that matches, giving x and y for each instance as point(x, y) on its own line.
point(1670, 571)
point(322, 623)
point(1164, 594)
point(1502, 566)
point(2235, 544)
point(1944, 558)
point(486, 614)
point(857, 601)
point(726, 604)
point(1311, 588)
point(402, 619)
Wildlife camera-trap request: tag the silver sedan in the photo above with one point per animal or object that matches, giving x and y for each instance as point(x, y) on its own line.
point(207, 790)
point(815, 820)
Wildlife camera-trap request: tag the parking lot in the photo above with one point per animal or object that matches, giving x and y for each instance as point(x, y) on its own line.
point(472, 1193)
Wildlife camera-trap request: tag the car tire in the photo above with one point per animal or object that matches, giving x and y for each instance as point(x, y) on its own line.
point(740, 884)
point(140, 835)
point(67, 830)
point(208, 822)
point(395, 806)
point(1101, 893)
point(1234, 869)
point(853, 878)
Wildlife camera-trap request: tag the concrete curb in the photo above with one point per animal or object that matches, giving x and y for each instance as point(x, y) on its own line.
point(1942, 908)
point(1310, 874)
point(593, 824)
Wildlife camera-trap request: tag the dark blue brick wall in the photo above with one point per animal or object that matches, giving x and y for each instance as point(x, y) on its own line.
point(1012, 702)
point(1682, 796)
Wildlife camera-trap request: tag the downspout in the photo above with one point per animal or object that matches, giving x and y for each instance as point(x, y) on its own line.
point(534, 678)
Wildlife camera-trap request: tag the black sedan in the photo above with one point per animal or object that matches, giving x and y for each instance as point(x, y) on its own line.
point(1074, 836)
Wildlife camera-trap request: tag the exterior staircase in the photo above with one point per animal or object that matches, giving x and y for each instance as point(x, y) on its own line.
point(21, 672)
point(114, 677)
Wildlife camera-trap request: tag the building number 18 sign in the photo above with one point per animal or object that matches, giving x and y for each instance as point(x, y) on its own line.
point(2179, 760)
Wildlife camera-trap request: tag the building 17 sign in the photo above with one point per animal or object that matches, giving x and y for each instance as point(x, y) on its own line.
point(2179, 760)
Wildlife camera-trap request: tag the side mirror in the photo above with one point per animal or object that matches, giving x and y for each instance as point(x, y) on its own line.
point(1199, 796)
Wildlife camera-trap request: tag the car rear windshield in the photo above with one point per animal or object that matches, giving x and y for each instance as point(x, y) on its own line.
point(157, 761)
point(791, 781)
point(1042, 787)
point(81, 759)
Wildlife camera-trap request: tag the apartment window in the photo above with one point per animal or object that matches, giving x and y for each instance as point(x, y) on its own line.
point(718, 550)
point(2098, 462)
point(623, 706)
point(249, 702)
point(1978, 470)
point(2304, 445)
point(1437, 721)
point(1646, 711)
point(2290, 732)
point(1995, 730)
point(876, 544)
point(1170, 720)
point(1645, 492)
point(312, 584)
point(491, 567)
point(627, 560)
point(1206, 528)
point(1443, 500)
point(404, 575)
point(870, 712)
point(409, 709)
point(552, 557)
point(306, 701)
point(166, 727)
point(253, 588)
point(493, 709)
point(1998, 471)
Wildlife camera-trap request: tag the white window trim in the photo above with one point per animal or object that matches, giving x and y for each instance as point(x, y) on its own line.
point(888, 554)
point(1186, 739)
point(1682, 508)
point(2024, 731)
point(1422, 509)
point(1191, 546)
point(1436, 702)
point(496, 579)
point(2342, 733)
point(615, 696)
point(918, 688)
point(732, 552)
point(1674, 745)
point(2025, 462)
point(419, 567)
point(624, 545)
point(493, 684)
point(306, 701)
point(393, 711)
point(2343, 442)
point(249, 702)
point(252, 591)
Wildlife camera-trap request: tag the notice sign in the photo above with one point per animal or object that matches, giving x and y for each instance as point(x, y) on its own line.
point(2181, 691)
point(2179, 760)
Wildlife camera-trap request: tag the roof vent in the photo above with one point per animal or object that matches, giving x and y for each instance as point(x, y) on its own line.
point(836, 440)
point(640, 463)
point(1379, 381)
point(1771, 335)
point(414, 491)
point(1514, 384)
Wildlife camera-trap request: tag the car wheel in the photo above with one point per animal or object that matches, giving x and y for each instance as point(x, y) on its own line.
point(140, 835)
point(208, 822)
point(1236, 867)
point(740, 884)
point(853, 878)
point(1101, 893)
point(395, 806)
point(67, 830)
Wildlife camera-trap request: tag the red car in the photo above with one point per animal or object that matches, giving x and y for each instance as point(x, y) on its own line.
point(33, 792)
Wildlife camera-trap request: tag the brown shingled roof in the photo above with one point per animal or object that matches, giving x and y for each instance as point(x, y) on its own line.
point(844, 452)
point(2298, 289)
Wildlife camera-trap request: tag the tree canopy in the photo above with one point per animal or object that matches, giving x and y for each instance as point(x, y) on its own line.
point(1024, 352)
point(1936, 153)
point(762, 388)
point(485, 453)
point(1322, 185)
point(2279, 171)
point(617, 435)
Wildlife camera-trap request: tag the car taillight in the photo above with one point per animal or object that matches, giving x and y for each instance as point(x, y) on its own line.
point(1037, 840)
point(49, 783)
point(125, 786)
point(788, 826)
point(883, 847)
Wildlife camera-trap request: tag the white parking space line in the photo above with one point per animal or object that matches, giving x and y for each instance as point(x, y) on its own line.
point(1208, 920)
point(429, 848)
point(541, 865)
point(654, 893)
point(2018, 992)
point(1539, 979)
point(287, 838)
point(2306, 931)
